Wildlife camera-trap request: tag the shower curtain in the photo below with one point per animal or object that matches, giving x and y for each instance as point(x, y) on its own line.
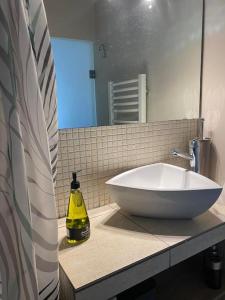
point(28, 154)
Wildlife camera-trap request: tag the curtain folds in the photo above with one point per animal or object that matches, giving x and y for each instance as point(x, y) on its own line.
point(28, 154)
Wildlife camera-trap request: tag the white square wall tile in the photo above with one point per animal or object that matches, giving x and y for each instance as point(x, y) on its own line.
point(104, 152)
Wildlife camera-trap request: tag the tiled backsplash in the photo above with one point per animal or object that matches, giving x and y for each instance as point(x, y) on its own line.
point(103, 152)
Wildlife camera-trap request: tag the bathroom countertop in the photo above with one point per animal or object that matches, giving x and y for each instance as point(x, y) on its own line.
point(125, 250)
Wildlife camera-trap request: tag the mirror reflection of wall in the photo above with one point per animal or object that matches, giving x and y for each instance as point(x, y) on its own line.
point(158, 38)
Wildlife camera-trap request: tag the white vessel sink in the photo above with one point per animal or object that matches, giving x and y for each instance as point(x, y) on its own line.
point(163, 191)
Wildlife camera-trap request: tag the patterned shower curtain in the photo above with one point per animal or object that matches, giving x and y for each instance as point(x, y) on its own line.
point(28, 154)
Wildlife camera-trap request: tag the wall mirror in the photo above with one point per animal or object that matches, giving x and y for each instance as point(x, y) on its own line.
point(126, 61)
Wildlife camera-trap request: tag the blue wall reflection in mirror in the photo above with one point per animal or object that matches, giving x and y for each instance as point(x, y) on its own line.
point(75, 90)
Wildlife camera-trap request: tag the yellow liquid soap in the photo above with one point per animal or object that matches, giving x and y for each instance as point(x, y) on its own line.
point(77, 221)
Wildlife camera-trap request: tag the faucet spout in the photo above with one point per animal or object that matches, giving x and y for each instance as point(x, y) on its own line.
point(187, 156)
point(198, 156)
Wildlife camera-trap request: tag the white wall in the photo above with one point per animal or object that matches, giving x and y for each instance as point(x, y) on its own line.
point(214, 87)
point(73, 19)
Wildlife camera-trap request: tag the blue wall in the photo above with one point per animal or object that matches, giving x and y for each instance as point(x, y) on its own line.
point(75, 90)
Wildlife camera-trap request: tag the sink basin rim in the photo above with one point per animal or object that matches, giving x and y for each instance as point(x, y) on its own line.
point(212, 185)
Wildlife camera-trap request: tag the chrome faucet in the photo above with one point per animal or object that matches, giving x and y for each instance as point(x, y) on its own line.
point(193, 155)
point(199, 153)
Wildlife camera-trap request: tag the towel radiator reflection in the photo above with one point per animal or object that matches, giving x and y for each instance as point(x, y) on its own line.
point(127, 101)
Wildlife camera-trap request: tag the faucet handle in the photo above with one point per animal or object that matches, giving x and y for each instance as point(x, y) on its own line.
point(192, 146)
point(192, 143)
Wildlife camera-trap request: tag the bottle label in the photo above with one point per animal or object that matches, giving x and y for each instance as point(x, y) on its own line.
point(78, 234)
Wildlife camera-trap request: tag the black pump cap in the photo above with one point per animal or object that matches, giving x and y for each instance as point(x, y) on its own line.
point(75, 184)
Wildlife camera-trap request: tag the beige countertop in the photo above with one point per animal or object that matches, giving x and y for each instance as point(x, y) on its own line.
point(125, 250)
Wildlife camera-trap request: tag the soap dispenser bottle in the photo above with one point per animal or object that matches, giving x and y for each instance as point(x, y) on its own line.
point(77, 221)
